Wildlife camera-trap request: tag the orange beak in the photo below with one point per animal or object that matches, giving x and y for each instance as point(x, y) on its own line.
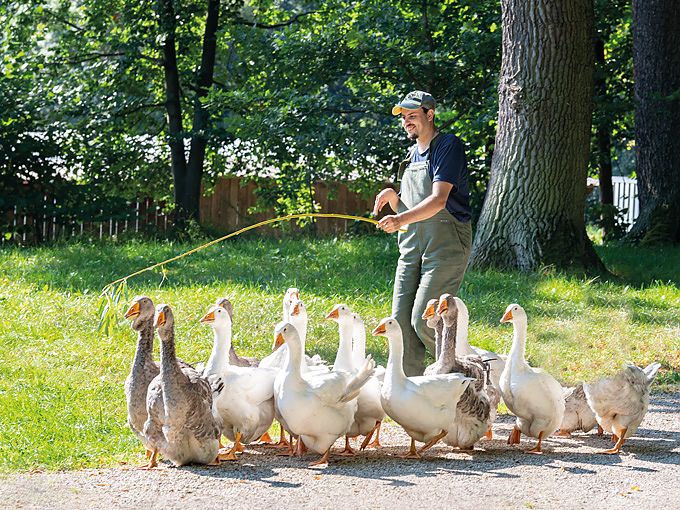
point(296, 309)
point(429, 312)
point(160, 319)
point(443, 306)
point(507, 317)
point(208, 317)
point(279, 341)
point(133, 311)
point(379, 330)
point(333, 314)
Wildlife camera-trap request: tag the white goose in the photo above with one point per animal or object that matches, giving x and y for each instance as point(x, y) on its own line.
point(424, 406)
point(531, 394)
point(366, 417)
point(319, 408)
point(246, 405)
point(620, 402)
point(370, 407)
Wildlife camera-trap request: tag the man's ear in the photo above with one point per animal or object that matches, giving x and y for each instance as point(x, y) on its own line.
point(430, 115)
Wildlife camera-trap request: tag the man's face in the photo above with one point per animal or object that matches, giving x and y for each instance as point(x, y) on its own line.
point(414, 122)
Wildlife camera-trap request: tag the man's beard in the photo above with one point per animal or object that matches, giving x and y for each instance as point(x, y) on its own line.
point(413, 135)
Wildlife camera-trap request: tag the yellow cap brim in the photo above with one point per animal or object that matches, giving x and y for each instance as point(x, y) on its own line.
point(396, 110)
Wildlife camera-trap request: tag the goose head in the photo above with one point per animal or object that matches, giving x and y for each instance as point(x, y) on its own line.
point(217, 318)
point(164, 320)
point(226, 304)
point(513, 313)
point(291, 294)
point(285, 332)
point(141, 311)
point(340, 314)
point(430, 314)
point(447, 308)
point(387, 327)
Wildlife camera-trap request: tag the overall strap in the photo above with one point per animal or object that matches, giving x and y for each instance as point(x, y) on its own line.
point(407, 161)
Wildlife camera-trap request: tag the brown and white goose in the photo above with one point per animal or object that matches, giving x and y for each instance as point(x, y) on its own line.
point(181, 423)
point(475, 411)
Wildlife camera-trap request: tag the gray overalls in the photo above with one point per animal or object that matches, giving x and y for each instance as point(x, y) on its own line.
point(433, 256)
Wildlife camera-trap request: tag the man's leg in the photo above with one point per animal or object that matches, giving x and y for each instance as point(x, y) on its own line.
point(406, 281)
point(443, 268)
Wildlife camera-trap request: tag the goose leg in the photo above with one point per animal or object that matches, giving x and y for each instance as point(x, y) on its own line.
point(537, 448)
point(265, 439)
point(600, 430)
point(231, 454)
point(514, 436)
point(619, 443)
point(412, 453)
point(433, 441)
point(283, 443)
point(322, 460)
point(348, 448)
point(562, 433)
point(153, 461)
point(300, 448)
point(376, 442)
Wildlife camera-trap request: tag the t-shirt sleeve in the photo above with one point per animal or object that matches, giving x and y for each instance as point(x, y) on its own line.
point(448, 161)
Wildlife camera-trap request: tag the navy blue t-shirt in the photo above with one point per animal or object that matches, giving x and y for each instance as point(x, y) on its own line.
point(447, 163)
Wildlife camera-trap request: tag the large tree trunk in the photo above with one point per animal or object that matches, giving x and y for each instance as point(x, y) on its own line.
point(187, 176)
point(173, 105)
point(533, 214)
point(656, 59)
point(199, 136)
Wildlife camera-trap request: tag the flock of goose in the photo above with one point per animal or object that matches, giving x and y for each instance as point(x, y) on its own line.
point(181, 412)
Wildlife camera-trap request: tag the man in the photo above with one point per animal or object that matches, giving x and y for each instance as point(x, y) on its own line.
point(434, 209)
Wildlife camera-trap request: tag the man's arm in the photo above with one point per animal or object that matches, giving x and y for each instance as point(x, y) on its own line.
point(424, 210)
point(388, 195)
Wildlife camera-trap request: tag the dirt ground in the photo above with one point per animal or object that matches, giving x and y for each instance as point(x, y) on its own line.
point(568, 475)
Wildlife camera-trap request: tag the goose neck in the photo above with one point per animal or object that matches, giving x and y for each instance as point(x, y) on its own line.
point(395, 360)
point(343, 359)
point(219, 357)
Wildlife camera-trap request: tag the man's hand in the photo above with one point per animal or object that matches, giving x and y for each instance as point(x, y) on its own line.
point(390, 223)
point(388, 195)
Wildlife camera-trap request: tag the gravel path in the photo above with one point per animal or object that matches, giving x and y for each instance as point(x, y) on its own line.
point(567, 476)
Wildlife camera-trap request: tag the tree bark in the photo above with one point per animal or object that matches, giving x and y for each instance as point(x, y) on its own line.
point(187, 175)
point(173, 105)
point(603, 127)
point(199, 135)
point(533, 214)
point(656, 61)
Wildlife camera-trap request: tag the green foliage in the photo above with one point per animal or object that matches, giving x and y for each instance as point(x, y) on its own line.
point(298, 87)
point(61, 397)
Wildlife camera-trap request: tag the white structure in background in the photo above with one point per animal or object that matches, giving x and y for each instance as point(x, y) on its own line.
point(626, 197)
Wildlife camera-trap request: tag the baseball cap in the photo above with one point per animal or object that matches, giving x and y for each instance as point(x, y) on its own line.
point(413, 101)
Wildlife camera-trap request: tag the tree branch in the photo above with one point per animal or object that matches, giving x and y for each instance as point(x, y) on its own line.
point(79, 59)
point(255, 24)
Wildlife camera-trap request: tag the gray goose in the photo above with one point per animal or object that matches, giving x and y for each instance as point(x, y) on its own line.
point(144, 368)
point(474, 414)
point(577, 413)
point(182, 424)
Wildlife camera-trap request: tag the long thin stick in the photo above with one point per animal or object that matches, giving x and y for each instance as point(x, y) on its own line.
point(233, 234)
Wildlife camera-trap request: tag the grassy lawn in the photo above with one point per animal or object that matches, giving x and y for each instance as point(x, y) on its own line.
point(62, 404)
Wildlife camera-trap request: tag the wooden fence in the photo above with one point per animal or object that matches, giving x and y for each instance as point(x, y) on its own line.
point(226, 209)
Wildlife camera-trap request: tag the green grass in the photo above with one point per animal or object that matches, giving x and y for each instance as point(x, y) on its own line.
point(61, 382)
